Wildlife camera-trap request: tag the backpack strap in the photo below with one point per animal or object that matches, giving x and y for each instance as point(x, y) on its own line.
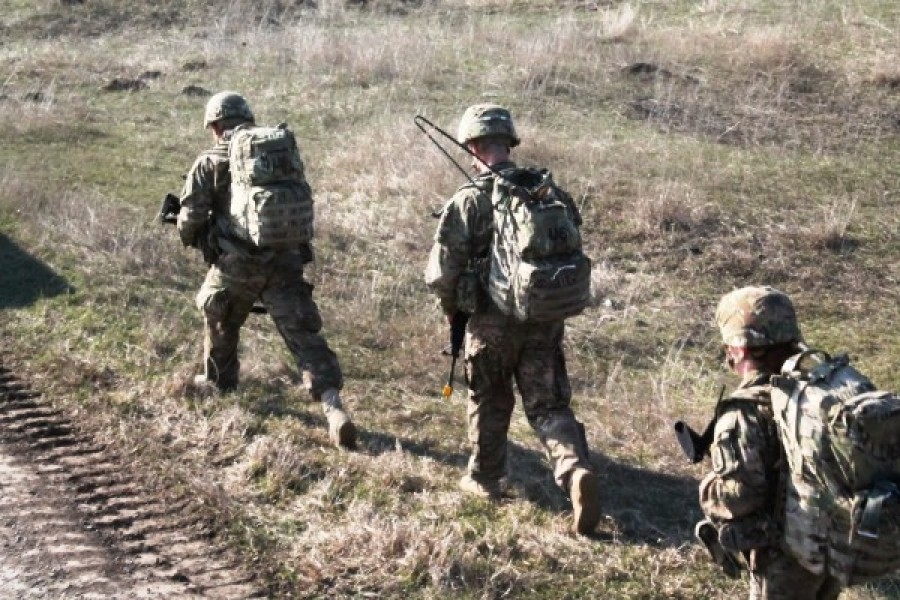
point(825, 365)
point(753, 395)
point(755, 391)
point(792, 365)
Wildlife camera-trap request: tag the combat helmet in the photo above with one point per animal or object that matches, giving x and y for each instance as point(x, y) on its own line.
point(482, 120)
point(753, 316)
point(227, 105)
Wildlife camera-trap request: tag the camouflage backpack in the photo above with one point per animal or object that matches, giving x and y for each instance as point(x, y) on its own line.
point(271, 202)
point(841, 438)
point(537, 270)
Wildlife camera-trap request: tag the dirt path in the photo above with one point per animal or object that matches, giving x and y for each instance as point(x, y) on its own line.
point(75, 523)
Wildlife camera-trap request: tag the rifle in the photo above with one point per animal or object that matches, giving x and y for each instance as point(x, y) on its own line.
point(457, 336)
point(695, 446)
point(168, 213)
point(707, 533)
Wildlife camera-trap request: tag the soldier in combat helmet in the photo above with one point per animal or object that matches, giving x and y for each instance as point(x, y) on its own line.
point(740, 497)
point(241, 274)
point(499, 349)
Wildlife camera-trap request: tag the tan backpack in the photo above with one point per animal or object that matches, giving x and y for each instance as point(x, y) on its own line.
point(841, 438)
point(537, 270)
point(271, 202)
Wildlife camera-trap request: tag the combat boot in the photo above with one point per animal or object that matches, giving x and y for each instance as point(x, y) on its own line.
point(482, 489)
point(341, 430)
point(201, 381)
point(584, 491)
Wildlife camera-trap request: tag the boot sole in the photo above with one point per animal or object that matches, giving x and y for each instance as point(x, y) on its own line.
point(345, 436)
point(586, 503)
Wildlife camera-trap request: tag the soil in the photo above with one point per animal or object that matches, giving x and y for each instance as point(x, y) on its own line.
point(77, 522)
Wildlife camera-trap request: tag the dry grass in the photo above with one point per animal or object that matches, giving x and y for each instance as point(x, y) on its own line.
point(708, 144)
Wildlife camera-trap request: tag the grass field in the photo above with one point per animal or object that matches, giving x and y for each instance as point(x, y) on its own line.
point(710, 144)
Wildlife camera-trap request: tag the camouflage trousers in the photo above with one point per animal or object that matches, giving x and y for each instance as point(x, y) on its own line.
point(228, 293)
point(498, 351)
point(777, 576)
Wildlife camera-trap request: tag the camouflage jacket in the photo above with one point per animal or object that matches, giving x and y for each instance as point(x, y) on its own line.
point(463, 236)
point(206, 193)
point(743, 488)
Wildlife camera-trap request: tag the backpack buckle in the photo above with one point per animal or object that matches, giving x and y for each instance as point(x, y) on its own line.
point(870, 517)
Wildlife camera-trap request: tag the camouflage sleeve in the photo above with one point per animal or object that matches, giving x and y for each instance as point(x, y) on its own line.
point(196, 199)
point(452, 248)
point(744, 460)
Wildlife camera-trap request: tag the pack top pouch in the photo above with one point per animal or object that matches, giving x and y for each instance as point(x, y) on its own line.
point(537, 270)
point(271, 202)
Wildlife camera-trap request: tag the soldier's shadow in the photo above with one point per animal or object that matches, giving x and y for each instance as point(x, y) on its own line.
point(369, 442)
point(24, 278)
point(639, 505)
point(377, 442)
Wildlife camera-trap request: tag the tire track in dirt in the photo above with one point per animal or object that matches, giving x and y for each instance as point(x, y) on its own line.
point(76, 523)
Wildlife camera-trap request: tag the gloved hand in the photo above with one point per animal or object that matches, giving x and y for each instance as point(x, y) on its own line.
point(207, 242)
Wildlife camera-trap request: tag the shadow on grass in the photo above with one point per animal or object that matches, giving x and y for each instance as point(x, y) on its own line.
point(641, 506)
point(269, 405)
point(648, 506)
point(372, 443)
point(377, 442)
point(24, 279)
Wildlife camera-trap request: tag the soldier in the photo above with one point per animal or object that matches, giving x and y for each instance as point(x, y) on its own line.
point(241, 274)
point(498, 348)
point(743, 495)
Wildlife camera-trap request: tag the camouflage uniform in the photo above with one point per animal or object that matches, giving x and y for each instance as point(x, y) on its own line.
point(500, 349)
point(241, 274)
point(744, 494)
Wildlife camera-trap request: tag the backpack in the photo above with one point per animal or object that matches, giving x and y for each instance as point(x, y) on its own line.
point(271, 202)
point(841, 438)
point(536, 268)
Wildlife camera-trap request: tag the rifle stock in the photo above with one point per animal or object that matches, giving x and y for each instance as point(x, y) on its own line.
point(168, 211)
point(695, 446)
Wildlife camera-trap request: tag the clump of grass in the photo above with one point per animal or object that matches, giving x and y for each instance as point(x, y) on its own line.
point(884, 70)
point(672, 209)
point(620, 23)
